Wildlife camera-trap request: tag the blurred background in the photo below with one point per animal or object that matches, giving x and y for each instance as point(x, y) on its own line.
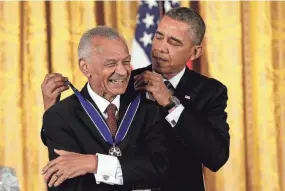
point(244, 49)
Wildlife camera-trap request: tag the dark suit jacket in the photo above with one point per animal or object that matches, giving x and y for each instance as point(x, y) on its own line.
point(145, 157)
point(201, 135)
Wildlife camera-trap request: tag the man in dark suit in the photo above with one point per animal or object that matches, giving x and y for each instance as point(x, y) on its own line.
point(77, 142)
point(194, 104)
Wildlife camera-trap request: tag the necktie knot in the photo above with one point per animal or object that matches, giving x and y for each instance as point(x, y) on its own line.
point(169, 86)
point(111, 109)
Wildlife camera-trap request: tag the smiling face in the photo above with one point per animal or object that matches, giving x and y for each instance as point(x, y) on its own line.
point(172, 47)
point(108, 67)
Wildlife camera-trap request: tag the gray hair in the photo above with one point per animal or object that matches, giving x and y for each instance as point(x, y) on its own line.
point(85, 46)
point(193, 19)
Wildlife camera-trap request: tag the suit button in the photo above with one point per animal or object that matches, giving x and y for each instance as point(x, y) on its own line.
point(105, 177)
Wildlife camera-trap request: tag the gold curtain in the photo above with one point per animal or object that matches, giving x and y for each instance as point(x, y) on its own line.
point(222, 59)
point(244, 48)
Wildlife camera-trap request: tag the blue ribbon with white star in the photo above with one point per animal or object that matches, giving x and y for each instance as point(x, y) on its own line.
point(100, 123)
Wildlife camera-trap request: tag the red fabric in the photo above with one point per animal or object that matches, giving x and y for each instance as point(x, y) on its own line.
point(111, 119)
point(189, 65)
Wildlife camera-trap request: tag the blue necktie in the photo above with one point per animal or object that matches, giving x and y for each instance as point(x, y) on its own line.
point(169, 86)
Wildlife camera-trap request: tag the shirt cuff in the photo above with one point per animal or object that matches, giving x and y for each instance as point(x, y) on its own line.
point(109, 170)
point(174, 115)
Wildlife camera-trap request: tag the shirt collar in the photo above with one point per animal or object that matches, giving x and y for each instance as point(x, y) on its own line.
point(101, 102)
point(176, 79)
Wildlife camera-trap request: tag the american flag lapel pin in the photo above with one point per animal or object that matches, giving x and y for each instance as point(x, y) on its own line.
point(187, 97)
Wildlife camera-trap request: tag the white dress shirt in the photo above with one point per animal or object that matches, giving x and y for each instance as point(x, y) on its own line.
point(174, 115)
point(109, 168)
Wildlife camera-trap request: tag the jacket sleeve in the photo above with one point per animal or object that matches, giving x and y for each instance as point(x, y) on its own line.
point(149, 168)
point(56, 135)
point(205, 132)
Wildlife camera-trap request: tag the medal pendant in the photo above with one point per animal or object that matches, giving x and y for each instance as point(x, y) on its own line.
point(115, 151)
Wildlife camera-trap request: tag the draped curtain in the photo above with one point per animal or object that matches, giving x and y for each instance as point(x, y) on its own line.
point(244, 48)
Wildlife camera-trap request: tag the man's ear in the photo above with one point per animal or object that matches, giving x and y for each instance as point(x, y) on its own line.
point(197, 50)
point(85, 68)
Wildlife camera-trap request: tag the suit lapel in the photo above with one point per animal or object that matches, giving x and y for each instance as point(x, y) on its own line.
point(87, 121)
point(186, 87)
point(148, 68)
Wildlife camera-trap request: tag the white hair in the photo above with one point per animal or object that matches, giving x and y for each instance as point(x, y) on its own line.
point(85, 45)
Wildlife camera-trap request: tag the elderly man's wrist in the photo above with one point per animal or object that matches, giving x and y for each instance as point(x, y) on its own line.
point(92, 164)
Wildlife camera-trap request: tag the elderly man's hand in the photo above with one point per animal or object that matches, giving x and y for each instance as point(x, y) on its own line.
point(153, 83)
point(52, 86)
point(68, 165)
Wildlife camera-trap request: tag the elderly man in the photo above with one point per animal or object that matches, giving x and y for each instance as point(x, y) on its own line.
point(115, 140)
point(194, 104)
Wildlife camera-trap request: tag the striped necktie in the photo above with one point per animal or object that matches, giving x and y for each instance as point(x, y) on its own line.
point(169, 86)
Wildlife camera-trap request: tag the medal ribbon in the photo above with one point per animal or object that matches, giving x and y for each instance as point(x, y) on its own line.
point(100, 123)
